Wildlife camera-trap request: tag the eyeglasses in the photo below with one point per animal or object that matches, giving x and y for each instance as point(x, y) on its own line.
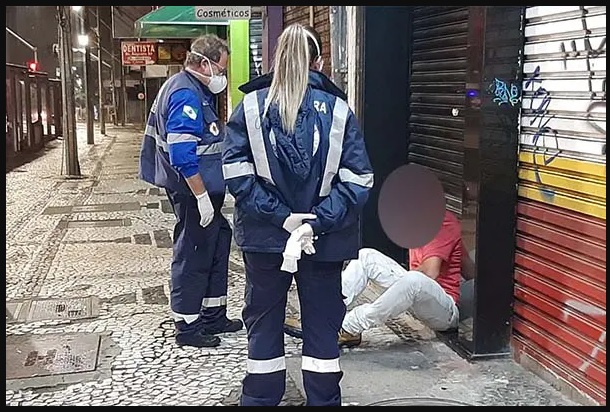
point(222, 71)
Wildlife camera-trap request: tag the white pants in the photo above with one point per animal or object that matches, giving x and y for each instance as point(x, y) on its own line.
point(405, 291)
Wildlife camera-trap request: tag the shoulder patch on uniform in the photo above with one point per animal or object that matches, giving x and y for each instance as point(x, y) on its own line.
point(189, 112)
point(214, 129)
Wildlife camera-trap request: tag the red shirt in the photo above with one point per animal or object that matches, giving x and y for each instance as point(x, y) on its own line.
point(447, 245)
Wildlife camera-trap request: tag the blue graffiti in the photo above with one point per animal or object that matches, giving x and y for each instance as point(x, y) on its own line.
point(505, 93)
point(542, 128)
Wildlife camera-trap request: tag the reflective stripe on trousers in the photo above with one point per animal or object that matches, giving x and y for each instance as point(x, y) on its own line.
point(200, 262)
point(322, 309)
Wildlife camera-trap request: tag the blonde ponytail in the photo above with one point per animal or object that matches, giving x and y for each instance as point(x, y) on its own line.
point(290, 75)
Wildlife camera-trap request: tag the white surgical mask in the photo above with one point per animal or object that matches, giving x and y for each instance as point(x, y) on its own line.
point(216, 83)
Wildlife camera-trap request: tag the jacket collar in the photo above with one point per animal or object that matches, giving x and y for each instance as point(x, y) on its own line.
point(196, 80)
point(317, 80)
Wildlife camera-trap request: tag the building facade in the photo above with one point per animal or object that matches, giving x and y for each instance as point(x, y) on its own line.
point(507, 105)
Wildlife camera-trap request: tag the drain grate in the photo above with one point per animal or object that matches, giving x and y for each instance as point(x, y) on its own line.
point(29, 356)
point(419, 402)
point(80, 224)
point(102, 207)
point(52, 309)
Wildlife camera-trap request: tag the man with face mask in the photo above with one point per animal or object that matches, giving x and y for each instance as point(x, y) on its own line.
point(181, 152)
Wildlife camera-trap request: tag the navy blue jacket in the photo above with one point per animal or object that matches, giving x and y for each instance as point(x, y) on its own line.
point(183, 137)
point(322, 169)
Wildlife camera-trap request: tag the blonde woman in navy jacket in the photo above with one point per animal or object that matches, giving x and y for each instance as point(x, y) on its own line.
point(295, 160)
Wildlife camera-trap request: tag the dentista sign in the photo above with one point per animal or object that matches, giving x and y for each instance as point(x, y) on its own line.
point(223, 12)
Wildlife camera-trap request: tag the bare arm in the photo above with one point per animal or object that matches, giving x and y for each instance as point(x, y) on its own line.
point(467, 267)
point(431, 267)
point(195, 182)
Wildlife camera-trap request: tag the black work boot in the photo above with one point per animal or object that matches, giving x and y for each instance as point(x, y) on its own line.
point(194, 335)
point(225, 325)
point(292, 327)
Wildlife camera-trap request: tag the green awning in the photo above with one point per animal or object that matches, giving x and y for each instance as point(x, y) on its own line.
point(171, 22)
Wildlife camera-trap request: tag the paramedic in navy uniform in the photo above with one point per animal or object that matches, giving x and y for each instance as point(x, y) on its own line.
point(181, 152)
point(295, 160)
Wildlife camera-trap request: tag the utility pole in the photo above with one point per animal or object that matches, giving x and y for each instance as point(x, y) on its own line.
point(67, 89)
point(100, 79)
point(123, 94)
point(113, 82)
point(88, 83)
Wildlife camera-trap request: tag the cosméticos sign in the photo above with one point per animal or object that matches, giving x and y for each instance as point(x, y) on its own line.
point(223, 12)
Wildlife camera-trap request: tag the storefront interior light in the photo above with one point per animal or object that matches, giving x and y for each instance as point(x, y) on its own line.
point(83, 40)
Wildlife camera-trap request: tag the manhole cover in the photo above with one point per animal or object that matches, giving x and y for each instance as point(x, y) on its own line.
point(419, 402)
point(102, 207)
point(79, 224)
point(49, 309)
point(29, 356)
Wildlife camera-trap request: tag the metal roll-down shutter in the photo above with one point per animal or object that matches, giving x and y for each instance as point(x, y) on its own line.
point(560, 269)
point(438, 81)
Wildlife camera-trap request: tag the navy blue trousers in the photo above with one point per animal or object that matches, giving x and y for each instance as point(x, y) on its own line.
point(200, 264)
point(322, 311)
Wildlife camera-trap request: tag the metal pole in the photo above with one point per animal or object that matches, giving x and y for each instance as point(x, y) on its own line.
point(355, 51)
point(88, 84)
point(113, 82)
point(68, 117)
point(144, 112)
point(25, 43)
point(123, 96)
point(338, 31)
point(100, 79)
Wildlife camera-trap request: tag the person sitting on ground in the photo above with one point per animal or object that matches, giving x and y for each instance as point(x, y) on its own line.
point(430, 290)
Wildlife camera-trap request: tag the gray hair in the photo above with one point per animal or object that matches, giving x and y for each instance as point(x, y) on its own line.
point(208, 45)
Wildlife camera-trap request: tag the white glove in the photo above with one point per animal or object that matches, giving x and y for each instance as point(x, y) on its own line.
point(291, 254)
point(295, 220)
point(301, 239)
point(305, 235)
point(206, 210)
point(307, 246)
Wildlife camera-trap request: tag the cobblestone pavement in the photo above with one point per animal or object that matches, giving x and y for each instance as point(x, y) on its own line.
point(106, 239)
point(124, 261)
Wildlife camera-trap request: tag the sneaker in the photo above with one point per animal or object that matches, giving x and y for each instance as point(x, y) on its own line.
point(349, 340)
point(292, 327)
point(197, 340)
point(226, 326)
